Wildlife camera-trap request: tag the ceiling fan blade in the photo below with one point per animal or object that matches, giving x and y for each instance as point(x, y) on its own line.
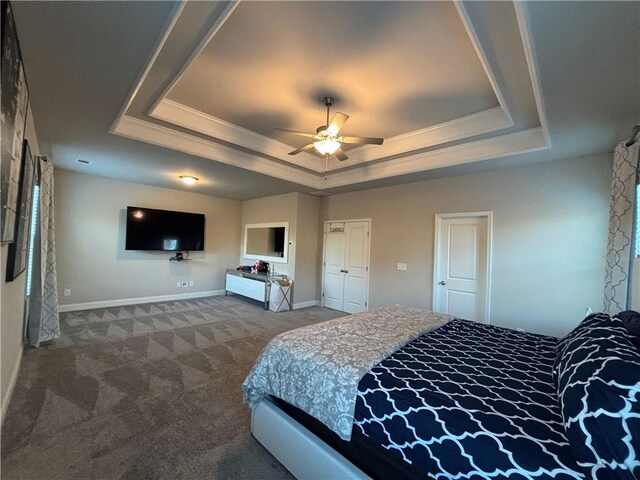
point(341, 155)
point(295, 132)
point(337, 122)
point(302, 149)
point(363, 140)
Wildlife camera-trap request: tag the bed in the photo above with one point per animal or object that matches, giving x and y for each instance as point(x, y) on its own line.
point(449, 398)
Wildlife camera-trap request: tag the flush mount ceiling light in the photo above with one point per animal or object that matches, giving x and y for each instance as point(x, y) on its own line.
point(188, 179)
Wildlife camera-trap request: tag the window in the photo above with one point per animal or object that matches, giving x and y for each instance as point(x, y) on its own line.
point(638, 220)
point(32, 236)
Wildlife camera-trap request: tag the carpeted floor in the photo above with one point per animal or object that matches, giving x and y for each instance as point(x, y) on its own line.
point(144, 392)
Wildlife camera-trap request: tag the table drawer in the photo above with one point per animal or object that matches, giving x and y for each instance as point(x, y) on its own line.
point(245, 286)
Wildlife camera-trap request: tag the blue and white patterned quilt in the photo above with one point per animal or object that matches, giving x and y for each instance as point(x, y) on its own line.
point(469, 401)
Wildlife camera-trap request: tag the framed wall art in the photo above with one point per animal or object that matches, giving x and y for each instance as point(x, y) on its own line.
point(19, 249)
point(13, 109)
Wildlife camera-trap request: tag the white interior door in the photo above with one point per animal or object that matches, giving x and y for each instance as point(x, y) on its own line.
point(346, 266)
point(462, 266)
point(333, 282)
point(356, 270)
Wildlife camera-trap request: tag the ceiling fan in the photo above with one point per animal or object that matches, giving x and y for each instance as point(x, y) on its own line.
point(327, 139)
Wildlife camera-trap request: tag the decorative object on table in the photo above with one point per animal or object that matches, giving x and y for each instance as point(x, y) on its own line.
point(260, 267)
point(280, 295)
point(18, 250)
point(13, 107)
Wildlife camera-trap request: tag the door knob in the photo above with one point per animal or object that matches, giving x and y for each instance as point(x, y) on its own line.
point(344, 271)
point(442, 282)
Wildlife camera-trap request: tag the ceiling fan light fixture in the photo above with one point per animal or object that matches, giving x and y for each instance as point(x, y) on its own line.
point(326, 146)
point(327, 139)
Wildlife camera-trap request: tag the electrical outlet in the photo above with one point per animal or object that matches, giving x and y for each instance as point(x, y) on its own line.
point(401, 266)
point(191, 283)
point(184, 285)
point(178, 284)
point(67, 292)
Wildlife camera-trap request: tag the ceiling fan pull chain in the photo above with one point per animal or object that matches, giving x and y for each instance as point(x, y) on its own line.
point(326, 166)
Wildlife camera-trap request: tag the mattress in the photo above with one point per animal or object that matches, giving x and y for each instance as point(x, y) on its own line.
point(468, 401)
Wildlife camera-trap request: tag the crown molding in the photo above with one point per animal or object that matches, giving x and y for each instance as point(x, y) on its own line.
point(514, 143)
point(147, 132)
point(475, 41)
point(519, 142)
point(149, 65)
point(486, 121)
point(178, 114)
point(529, 53)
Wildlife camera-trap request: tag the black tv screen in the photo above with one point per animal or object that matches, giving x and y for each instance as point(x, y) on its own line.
point(151, 229)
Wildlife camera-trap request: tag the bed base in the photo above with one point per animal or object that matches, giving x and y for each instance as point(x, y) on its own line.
point(295, 447)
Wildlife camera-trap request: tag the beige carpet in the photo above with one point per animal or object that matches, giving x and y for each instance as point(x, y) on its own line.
point(145, 392)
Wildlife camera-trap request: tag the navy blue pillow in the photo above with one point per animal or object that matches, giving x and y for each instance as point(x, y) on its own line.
point(631, 321)
point(586, 324)
point(598, 379)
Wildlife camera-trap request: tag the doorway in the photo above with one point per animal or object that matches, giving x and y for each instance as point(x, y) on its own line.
point(345, 265)
point(462, 265)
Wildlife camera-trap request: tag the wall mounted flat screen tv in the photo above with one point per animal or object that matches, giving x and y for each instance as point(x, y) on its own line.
point(151, 229)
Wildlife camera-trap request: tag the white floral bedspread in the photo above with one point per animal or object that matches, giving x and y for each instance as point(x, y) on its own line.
point(318, 368)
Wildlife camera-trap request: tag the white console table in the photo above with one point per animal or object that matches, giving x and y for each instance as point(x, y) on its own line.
point(252, 285)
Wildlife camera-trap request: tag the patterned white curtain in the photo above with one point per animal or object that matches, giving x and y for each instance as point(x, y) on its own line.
point(44, 321)
point(617, 285)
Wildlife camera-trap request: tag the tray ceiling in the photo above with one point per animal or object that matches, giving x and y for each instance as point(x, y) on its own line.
point(444, 83)
point(118, 85)
point(263, 70)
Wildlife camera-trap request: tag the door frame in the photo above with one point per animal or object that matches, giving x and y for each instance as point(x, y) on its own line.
point(436, 248)
point(324, 256)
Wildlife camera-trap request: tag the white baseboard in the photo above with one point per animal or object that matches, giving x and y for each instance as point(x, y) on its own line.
point(311, 303)
point(12, 383)
point(72, 307)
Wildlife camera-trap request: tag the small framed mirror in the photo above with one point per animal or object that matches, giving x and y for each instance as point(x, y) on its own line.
point(267, 241)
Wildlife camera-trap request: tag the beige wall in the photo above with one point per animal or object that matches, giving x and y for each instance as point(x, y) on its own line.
point(549, 238)
point(308, 241)
point(90, 235)
point(12, 295)
point(301, 211)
